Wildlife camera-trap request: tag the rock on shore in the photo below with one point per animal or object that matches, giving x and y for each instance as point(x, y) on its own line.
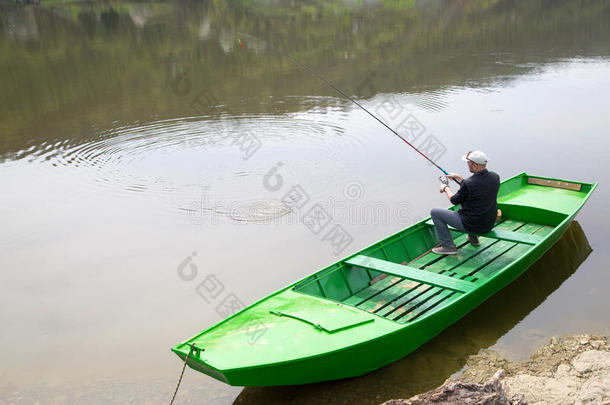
point(572, 369)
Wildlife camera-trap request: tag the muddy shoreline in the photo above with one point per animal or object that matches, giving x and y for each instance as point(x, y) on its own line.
point(572, 369)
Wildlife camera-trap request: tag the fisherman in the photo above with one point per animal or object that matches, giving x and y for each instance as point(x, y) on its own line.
point(477, 197)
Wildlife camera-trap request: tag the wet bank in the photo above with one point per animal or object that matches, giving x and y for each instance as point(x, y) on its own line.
point(572, 369)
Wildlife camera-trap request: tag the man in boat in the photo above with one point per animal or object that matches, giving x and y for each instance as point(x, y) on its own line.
point(477, 197)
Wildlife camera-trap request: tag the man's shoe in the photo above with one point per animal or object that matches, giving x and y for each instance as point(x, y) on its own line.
point(474, 240)
point(443, 250)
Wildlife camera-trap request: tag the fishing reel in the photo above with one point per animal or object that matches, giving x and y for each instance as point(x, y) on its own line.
point(444, 180)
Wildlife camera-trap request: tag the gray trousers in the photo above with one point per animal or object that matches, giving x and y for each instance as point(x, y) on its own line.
point(441, 219)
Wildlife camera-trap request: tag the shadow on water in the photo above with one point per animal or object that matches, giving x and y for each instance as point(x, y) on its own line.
point(434, 362)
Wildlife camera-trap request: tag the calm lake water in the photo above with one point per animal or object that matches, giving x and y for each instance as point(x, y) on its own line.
point(140, 142)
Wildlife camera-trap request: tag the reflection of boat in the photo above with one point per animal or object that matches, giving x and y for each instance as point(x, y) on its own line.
point(345, 320)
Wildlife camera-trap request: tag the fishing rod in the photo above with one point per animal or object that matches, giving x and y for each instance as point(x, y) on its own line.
point(338, 90)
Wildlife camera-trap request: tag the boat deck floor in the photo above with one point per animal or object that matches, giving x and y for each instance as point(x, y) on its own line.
point(405, 300)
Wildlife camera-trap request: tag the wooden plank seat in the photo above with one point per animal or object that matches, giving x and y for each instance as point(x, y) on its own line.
point(517, 237)
point(411, 273)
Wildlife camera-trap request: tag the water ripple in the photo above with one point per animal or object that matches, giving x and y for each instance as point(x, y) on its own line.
point(176, 158)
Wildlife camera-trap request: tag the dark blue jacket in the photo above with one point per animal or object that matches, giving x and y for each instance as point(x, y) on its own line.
point(477, 196)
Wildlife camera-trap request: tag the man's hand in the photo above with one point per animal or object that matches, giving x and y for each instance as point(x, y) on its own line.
point(445, 189)
point(455, 176)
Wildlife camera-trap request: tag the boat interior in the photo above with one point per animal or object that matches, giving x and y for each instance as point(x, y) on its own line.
point(400, 279)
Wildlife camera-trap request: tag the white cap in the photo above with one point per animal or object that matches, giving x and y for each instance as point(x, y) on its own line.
point(475, 156)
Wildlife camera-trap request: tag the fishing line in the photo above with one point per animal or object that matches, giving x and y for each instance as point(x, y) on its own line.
point(346, 96)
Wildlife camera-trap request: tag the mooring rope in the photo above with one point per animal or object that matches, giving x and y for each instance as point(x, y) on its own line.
point(181, 374)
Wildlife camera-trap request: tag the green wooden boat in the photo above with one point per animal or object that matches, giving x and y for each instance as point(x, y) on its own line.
point(382, 303)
